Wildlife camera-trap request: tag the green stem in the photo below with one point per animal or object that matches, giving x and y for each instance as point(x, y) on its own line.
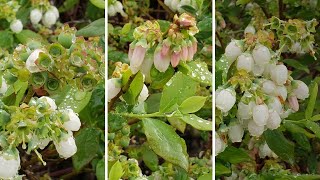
point(141, 116)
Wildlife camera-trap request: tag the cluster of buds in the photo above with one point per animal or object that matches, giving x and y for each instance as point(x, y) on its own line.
point(266, 91)
point(36, 124)
point(176, 45)
point(45, 12)
point(8, 11)
point(48, 68)
point(115, 83)
point(176, 5)
point(115, 7)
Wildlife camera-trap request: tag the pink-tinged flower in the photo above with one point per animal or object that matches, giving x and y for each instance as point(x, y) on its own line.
point(293, 102)
point(146, 67)
point(165, 49)
point(130, 53)
point(185, 53)
point(175, 58)
point(195, 47)
point(161, 62)
point(137, 58)
point(190, 53)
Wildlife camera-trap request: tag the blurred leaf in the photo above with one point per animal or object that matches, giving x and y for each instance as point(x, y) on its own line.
point(315, 117)
point(99, 3)
point(134, 90)
point(207, 176)
point(234, 155)
point(115, 122)
point(6, 39)
point(177, 89)
point(197, 122)
point(192, 104)
point(164, 25)
point(314, 127)
point(221, 170)
point(96, 28)
point(26, 36)
point(67, 5)
point(150, 159)
point(296, 129)
point(177, 123)
point(302, 140)
point(189, 9)
point(116, 171)
point(100, 170)
point(242, 2)
point(312, 100)
point(297, 65)
point(279, 144)
point(153, 102)
point(164, 141)
point(87, 141)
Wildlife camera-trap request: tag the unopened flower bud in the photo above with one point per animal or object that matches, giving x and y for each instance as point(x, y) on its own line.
point(300, 89)
point(35, 16)
point(293, 103)
point(245, 62)
point(175, 58)
point(138, 55)
point(16, 26)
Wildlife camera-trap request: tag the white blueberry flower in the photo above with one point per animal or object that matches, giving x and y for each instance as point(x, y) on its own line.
point(55, 11)
point(301, 90)
point(114, 87)
point(235, 133)
point(143, 94)
point(275, 104)
point(73, 123)
point(293, 103)
point(35, 16)
point(49, 18)
point(268, 68)
point(285, 114)
point(268, 87)
point(31, 61)
point(282, 91)
point(119, 8)
point(66, 147)
point(245, 110)
point(254, 129)
point(174, 5)
point(258, 69)
point(219, 145)
point(43, 143)
point(225, 99)
point(260, 114)
point(50, 101)
point(9, 165)
point(265, 151)
point(280, 74)
point(274, 120)
point(245, 61)
point(4, 86)
point(249, 29)
point(232, 51)
point(111, 10)
point(16, 26)
point(261, 54)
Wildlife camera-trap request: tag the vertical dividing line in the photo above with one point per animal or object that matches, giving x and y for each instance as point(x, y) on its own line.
point(213, 86)
point(106, 89)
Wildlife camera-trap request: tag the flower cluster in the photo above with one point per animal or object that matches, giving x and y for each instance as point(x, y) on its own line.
point(176, 45)
point(116, 7)
point(176, 5)
point(35, 124)
point(45, 12)
point(265, 91)
point(73, 61)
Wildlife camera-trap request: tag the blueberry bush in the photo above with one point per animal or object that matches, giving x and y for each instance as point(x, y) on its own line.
point(52, 89)
point(159, 89)
point(266, 92)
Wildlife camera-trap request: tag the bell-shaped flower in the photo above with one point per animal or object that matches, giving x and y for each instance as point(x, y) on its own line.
point(225, 99)
point(49, 18)
point(137, 58)
point(235, 133)
point(66, 146)
point(161, 61)
point(261, 54)
point(293, 103)
point(274, 120)
point(233, 50)
point(73, 123)
point(49, 101)
point(245, 62)
point(280, 74)
point(143, 94)
point(255, 129)
point(31, 61)
point(35, 16)
point(260, 114)
point(16, 26)
point(9, 164)
point(114, 87)
point(4, 86)
point(176, 57)
point(300, 89)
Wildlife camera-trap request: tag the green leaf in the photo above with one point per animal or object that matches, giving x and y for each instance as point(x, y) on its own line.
point(150, 159)
point(159, 79)
point(312, 100)
point(6, 39)
point(100, 170)
point(87, 141)
point(164, 141)
point(279, 144)
point(153, 103)
point(242, 2)
point(67, 5)
point(177, 123)
point(207, 176)
point(134, 90)
point(98, 3)
point(294, 128)
point(234, 155)
point(115, 122)
point(177, 89)
point(197, 122)
point(189, 9)
point(126, 28)
point(26, 36)
point(164, 25)
point(192, 104)
point(116, 171)
point(221, 169)
point(200, 73)
point(297, 65)
point(74, 99)
point(315, 117)
point(21, 93)
point(96, 28)
point(314, 127)
point(302, 140)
